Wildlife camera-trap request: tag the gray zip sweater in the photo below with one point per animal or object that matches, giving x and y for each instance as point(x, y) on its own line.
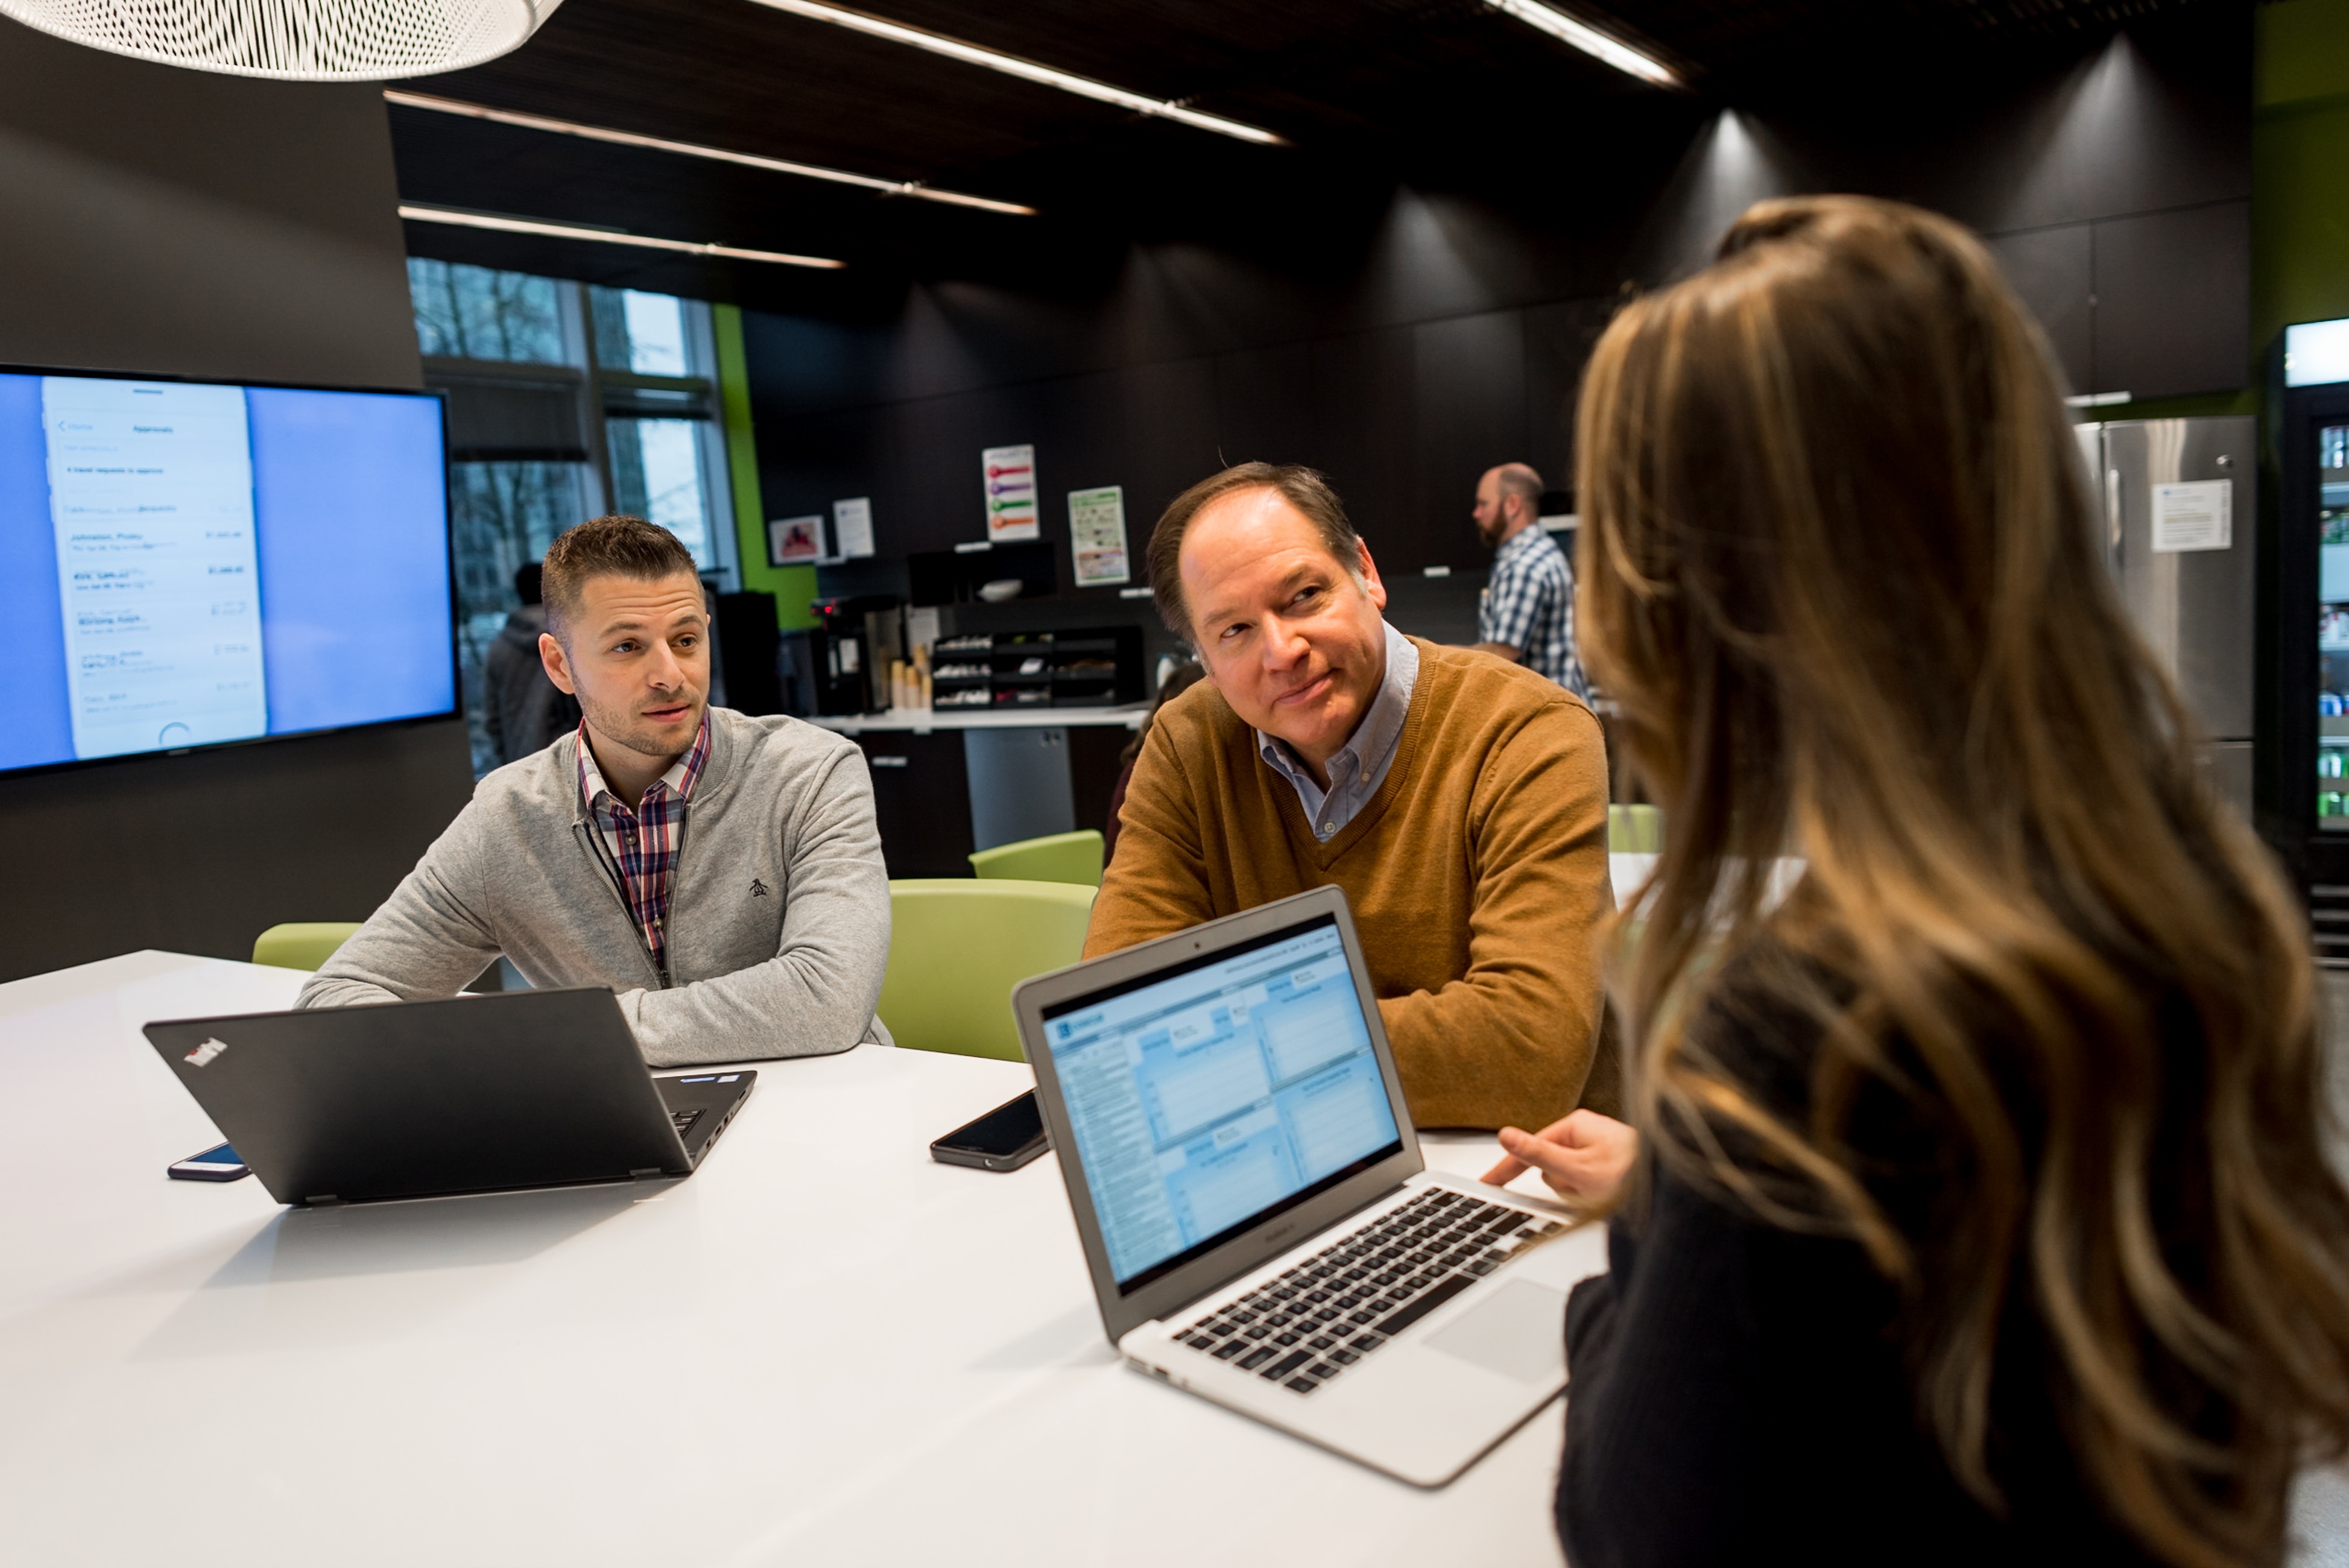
point(778, 918)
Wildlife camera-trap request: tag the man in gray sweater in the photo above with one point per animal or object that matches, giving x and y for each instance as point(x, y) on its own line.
point(721, 873)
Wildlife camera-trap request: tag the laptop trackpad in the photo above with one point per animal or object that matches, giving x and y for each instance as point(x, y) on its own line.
point(1519, 1331)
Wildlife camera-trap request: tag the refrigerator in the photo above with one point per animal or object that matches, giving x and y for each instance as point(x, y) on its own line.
point(2176, 514)
point(2306, 802)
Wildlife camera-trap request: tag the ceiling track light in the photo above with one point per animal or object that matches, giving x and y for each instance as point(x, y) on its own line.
point(1027, 71)
point(693, 149)
point(1601, 45)
point(461, 218)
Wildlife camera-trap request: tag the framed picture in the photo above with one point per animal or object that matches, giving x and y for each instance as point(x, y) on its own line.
point(794, 540)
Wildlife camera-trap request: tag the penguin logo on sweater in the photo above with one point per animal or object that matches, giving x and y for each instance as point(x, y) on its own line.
point(758, 888)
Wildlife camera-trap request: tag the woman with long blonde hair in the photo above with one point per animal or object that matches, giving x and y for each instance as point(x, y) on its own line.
point(1979, 1208)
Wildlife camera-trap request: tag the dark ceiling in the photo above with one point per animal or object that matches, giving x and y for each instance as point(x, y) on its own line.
point(1440, 93)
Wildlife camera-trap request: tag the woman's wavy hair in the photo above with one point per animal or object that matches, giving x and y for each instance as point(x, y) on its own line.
point(1838, 568)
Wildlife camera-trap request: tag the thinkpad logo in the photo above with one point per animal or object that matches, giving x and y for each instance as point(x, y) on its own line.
point(758, 888)
point(202, 1057)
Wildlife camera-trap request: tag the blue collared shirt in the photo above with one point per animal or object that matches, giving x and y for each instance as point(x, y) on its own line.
point(1361, 765)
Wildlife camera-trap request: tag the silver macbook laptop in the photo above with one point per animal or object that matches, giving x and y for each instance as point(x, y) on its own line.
point(1259, 1224)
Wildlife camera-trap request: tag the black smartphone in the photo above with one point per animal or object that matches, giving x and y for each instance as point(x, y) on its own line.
point(1005, 1138)
point(218, 1164)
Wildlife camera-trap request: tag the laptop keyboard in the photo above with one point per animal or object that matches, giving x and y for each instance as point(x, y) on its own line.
point(1322, 1316)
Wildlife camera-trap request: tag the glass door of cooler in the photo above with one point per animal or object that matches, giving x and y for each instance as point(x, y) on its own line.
point(2333, 629)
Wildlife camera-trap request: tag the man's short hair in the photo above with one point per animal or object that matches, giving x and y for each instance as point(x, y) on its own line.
point(1301, 488)
point(615, 546)
point(1519, 479)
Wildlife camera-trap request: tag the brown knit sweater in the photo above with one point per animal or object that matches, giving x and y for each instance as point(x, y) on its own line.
point(1478, 875)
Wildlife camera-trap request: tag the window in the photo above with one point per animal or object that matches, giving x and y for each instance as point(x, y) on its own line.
point(564, 401)
point(643, 333)
point(472, 313)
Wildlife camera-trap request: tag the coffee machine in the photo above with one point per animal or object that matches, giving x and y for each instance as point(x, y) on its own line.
point(850, 649)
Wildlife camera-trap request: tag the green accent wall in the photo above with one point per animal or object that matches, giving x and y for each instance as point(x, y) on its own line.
point(793, 586)
point(2300, 152)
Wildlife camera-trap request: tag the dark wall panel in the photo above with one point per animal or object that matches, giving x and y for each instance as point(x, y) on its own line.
point(1558, 340)
point(1470, 388)
point(1447, 333)
point(1364, 436)
point(203, 852)
point(170, 221)
point(2173, 301)
point(1263, 405)
point(179, 222)
point(2050, 269)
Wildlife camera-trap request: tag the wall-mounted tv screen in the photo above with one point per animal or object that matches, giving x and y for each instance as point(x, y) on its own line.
point(186, 563)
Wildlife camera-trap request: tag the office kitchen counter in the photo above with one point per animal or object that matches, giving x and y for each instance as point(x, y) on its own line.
point(924, 721)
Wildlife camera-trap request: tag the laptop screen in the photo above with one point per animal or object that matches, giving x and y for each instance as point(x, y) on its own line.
point(1208, 1098)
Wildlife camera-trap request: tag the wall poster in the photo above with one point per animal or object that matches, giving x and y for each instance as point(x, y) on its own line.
point(1097, 536)
point(794, 540)
point(1010, 475)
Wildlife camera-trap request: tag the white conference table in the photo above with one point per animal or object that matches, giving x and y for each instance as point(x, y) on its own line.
point(821, 1348)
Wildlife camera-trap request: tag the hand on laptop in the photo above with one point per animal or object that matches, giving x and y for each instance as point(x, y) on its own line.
point(1583, 1158)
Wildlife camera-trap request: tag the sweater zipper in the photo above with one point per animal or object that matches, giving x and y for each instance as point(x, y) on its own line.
point(613, 883)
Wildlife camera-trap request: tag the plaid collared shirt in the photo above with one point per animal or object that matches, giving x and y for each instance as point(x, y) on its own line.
point(640, 846)
point(1530, 606)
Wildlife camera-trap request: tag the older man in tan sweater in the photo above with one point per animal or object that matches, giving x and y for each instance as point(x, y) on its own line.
point(1460, 800)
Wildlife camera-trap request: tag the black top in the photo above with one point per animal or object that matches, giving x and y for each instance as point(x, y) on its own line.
point(1737, 1389)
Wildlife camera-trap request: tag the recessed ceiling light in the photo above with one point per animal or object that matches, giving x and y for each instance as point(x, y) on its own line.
point(1590, 40)
point(465, 220)
point(693, 149)
point(1027, 71)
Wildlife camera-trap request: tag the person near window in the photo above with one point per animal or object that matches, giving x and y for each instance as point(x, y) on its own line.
point(1461, 802)
point(522, 709)
point(1526, 613)
point(1979, 1208)
point(721, 873)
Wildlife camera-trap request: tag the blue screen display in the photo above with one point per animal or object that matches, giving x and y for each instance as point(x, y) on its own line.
point(189, 564)
point(1204, 1101)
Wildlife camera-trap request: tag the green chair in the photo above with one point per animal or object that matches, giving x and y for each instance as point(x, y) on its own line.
point(304, 944)
point(1055, 858)
point(957, 946)
point(1635, 830)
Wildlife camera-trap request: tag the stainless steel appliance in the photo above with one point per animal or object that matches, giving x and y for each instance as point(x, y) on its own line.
point(2176, 504)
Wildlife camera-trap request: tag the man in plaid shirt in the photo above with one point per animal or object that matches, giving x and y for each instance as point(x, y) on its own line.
point(1526, 615)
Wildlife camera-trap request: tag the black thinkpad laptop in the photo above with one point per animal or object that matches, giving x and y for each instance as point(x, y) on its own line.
point(418, 1099)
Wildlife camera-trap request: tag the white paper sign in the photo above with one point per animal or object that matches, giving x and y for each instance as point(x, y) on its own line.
point(1010, 476)
point(852, 526)
point(1097, 536)
point(2196, 516)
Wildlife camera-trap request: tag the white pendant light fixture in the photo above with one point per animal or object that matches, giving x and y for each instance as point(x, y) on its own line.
point(295, 40)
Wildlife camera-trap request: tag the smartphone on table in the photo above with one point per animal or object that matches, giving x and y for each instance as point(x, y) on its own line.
point(218, 1164)
point(1005, 1138)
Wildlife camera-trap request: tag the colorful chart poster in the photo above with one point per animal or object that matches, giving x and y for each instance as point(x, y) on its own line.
point(1097, 536)
point(852, 526)
point(795, 541)
point(1010, 480)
